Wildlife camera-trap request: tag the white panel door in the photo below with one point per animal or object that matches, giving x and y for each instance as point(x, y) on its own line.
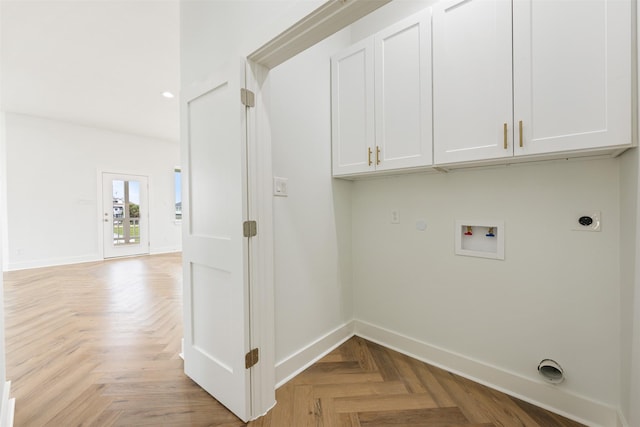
point(572, 74)
point(352, 128)
point(403, 93)
point(472, 80)
point(216, 328)
point(125, 220)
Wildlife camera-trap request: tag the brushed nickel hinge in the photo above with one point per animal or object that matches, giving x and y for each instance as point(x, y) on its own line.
point(249, 228)
point(251, 358)
point(247, 98)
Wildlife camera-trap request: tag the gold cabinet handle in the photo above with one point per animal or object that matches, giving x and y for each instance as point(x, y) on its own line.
point(505, 136)
point(369, 155)
point(377, 155)
point(520, 126)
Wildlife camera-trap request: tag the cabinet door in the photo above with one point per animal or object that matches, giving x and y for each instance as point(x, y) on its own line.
point(572, 74)
point(472, 80)
point(352, 128)
point(403, 93)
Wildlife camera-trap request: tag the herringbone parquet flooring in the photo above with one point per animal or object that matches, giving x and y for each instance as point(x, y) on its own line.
point(97, 344)
point(362, 384)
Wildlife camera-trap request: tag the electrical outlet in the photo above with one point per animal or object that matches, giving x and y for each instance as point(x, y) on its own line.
point(395, 216)
point(587, 221)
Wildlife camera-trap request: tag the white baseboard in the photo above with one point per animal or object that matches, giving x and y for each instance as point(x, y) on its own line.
point(10, 413)
point(307, 356)
point(539, 393)
point(621, 421)
point(7, 408)
point(50, 262)
point(164, 250)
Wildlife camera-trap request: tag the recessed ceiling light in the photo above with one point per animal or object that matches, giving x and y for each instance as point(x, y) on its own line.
point(168, 94)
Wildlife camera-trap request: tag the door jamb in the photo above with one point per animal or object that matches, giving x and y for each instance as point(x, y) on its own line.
point(261, 264)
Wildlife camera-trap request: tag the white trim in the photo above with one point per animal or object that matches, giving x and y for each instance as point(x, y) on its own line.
point(4, 224)
point(297, 362)
point(621, 421)
point(52, 262)
point(539, 393)
point(7, 408)
point(80, 259)
point(261, 268)
point(10, 413)
point(164, 250)
point(329, 18)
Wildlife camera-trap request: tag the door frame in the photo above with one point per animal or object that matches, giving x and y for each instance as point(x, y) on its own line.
point(261, 257)
point(99, 206)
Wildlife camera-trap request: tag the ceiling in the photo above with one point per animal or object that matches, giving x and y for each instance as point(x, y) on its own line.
point(99, 63)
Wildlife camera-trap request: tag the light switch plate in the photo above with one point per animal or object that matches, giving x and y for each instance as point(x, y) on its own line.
point(395, 216)
point(280, 186)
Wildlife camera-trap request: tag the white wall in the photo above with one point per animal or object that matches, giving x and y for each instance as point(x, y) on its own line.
point(628, 257)
point(632, 409)
point(215, 32)
point(52, 189)
point(630, 283)
point(556, 295)
point(3, 374)
point(312, 225)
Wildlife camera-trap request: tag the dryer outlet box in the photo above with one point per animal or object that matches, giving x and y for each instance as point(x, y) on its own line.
point(587, 221)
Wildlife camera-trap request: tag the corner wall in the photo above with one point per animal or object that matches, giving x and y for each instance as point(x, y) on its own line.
point(630, 277)
point(628, 271)
point(53, 205)
point(6, 403)
point(312, 226)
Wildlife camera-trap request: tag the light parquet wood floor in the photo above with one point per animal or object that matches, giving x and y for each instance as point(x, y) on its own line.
point(97, 344)
point(362, 384)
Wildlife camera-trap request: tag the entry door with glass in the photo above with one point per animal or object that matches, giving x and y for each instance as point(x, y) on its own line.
point(125, 215)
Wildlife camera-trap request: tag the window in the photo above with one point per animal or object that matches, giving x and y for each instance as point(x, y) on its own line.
point(177, 181)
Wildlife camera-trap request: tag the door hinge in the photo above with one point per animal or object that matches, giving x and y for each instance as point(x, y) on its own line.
point(249, 228)
point(251, 358)
point(247, 97)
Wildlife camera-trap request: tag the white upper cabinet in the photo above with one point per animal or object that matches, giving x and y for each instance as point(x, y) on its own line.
point(403, 94)
point(571, 78)
point(472, 84)
point(352, 128)
point(381, 100)
point(572, 74)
